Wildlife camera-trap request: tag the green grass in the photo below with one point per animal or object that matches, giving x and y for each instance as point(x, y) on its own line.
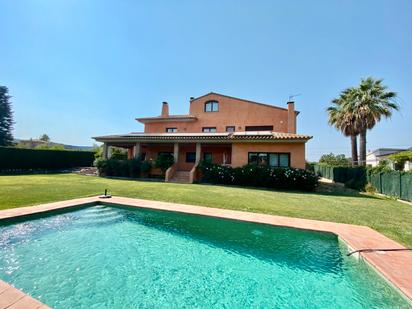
point(392, 218)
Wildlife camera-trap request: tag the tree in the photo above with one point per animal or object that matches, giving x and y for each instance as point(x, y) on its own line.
point(44, 138)
point(342, 117)
point(6, 118)
point(359, 109)
point(373, 100)
point(334, 160)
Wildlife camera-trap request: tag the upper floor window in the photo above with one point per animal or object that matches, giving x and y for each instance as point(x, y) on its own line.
point(171, 130)
point(259, 128)
point(209, 129)
point(212, 106)
point(230, 129)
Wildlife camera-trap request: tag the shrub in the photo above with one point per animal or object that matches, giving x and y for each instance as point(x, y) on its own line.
point(118, 154)
point(101, 165)
point(122, 168)
point(259, 176)
point(355, 183)
point(370, 188)
point(164, 161)
point(134, 168)
point(145, 167)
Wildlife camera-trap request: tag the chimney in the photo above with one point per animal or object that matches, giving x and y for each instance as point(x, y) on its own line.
point(291, 117)
point(165, 109)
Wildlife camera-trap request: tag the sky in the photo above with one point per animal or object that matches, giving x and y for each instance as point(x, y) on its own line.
point(83, 68)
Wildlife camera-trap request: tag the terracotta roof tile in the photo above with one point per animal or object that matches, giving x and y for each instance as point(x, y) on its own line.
point(229, 137)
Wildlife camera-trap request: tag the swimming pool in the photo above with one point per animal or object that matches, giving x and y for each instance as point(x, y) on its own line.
point(118, 257)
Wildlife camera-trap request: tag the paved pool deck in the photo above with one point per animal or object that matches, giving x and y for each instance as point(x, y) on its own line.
point(395, 266)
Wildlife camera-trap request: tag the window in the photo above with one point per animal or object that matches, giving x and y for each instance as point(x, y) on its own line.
point(269, 158)
point(209, 129)
point(230, 129)
point(207, 157)
point(212, 106)
point(190, 157)
point(171, 130)
point(259, 128)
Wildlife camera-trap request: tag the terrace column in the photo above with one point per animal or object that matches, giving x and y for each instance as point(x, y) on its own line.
point(198, 152)
point(109, 152)
point(176, 152)
point(105, 152)
point(137, 151)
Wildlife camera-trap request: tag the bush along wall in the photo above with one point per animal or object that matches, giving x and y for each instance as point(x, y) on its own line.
point(352, 177)
point(259, 176)
point(14, 160)
point(123, 168)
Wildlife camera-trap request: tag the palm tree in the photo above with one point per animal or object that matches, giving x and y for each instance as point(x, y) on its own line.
point(342, 117)
point(372, 100)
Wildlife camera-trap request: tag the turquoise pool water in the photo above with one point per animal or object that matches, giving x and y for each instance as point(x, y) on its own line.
point(115, 257)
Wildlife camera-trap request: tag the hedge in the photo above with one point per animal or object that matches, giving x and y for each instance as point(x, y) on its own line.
point(352, 177)
point(20, 159)
point(123, 168)
point(259, 176)
point(394, 183)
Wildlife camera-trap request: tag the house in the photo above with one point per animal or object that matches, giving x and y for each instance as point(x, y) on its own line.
point(374, 157)
point(219, 129)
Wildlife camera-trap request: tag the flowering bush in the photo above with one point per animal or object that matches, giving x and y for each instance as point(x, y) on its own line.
point(260, 176)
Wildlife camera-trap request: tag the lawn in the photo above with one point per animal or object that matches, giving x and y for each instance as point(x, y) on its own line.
point(392, 218)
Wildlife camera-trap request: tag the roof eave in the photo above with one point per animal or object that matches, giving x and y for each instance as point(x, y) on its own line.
point(166, 119)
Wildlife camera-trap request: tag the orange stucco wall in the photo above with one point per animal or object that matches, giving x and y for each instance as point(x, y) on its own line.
point(297, 152)
point(236, 153)
point(232, 112)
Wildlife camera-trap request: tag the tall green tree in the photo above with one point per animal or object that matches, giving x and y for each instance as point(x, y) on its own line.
point(359, 109)
point(341, 116)
point(6, 118)
point(373, 101)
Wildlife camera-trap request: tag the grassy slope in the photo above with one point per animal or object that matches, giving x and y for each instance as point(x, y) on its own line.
point(389, 217)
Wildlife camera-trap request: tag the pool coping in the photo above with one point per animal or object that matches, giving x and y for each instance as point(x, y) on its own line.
point(395, 267)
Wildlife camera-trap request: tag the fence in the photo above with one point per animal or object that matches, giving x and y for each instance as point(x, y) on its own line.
point(19, 159)
point(342, 174)
point(393, 183)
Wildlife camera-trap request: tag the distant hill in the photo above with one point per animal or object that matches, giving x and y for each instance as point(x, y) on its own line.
point(33, 143)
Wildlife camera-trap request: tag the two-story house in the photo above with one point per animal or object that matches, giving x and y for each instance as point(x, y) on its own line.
point(219, 129)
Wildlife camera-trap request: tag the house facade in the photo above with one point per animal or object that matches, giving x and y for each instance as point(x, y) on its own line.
point(219, 129)
point(373, 158)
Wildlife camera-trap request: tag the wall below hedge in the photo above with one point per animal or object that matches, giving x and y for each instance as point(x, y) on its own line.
point(19, 159)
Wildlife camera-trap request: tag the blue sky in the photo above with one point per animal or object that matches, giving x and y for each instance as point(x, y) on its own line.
point(80, 68)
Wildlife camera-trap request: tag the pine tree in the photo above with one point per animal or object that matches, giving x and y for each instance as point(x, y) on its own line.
point(6, 118)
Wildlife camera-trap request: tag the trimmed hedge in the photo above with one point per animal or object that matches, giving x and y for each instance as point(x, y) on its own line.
point(123, 168)
point(260, 176)
point(352, 177)
point(394, 183)
point(20, 159)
